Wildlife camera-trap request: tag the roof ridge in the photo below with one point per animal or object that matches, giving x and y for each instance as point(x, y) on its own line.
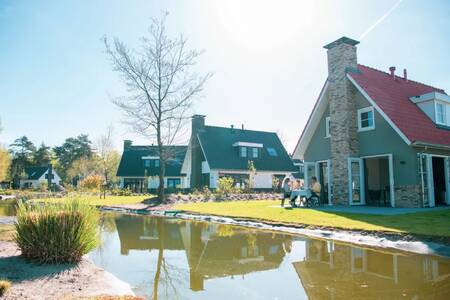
point(409, 80)
point(240, 129)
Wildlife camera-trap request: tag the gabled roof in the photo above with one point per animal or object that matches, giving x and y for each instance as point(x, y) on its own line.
point(34, 173)
point(132, 165)
point(393, 98)
point(217, 145)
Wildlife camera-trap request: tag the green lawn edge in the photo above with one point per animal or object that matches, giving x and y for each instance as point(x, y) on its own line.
point(431, 223)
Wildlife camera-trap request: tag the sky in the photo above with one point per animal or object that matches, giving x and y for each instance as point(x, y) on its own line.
point(267, 58)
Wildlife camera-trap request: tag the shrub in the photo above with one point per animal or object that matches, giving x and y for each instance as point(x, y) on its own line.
point(121, 192)
point(56, 233)
point(93, 182)
point(225, 185)
point(5, 285)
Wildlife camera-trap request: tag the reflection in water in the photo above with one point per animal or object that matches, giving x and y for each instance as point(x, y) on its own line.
point(171, 258)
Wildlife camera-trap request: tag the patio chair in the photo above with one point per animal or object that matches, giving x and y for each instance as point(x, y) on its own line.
point(312, 199)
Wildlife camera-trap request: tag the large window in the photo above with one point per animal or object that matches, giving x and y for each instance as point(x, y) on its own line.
point(173, 182)
point(156, 163)
point(147, 163)
point(366, 119)
point(440, 113)
point(243, 151)
point(327, 127)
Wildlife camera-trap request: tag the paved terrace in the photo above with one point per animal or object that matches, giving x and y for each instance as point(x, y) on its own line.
point(374, 210)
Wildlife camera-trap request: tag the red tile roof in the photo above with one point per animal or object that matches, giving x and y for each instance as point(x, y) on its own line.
point(392, 96)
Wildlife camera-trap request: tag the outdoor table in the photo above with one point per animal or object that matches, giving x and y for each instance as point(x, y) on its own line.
point(302, 193)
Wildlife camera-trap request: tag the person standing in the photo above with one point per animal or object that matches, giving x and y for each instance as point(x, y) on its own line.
point(286, 190)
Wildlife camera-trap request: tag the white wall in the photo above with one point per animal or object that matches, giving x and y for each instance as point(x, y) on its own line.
point(263, 180)
point(428, 108)
point(213, 177)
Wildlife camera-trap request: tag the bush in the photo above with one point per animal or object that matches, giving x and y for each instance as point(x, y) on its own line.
point(121, 192)
point(225, 185)
point(56, 233)
point(93, 182)
point(5, 285)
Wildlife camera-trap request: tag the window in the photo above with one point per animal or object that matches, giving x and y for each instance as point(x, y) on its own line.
point(366, 119)
point(173, 182)
point(255, 152)
point(243, 151)
point(440, 113)
point(327, 127)
point(156, 163)
point(147, 163)
point(272, 152)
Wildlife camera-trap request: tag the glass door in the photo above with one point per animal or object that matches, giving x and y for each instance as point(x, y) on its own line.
point(426, 179)
point(310, 171)
point(447, 180)
point(356, 181)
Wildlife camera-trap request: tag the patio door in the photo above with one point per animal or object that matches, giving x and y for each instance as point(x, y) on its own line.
point(426, 179)
point(447, 180)
point(356, 181)
point(310, 171)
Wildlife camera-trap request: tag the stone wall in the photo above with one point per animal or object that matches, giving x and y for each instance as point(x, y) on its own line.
point(408, 196)
point(343, 116)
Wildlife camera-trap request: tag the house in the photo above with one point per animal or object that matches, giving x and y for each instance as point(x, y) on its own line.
point(35, 176)
point(215, 152)
point(377, 138)
point(139, 167)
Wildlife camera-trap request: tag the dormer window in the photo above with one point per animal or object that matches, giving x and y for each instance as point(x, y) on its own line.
point(436, 106)
point(243, 151)
point(440, 113)
point(151, 161)
point(255, 152)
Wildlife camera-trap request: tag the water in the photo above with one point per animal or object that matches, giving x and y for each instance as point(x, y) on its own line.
point(177, 259)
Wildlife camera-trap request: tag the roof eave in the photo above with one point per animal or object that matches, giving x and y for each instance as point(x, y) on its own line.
point(430, 145)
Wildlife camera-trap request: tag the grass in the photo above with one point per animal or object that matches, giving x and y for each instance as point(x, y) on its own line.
point(56, 233)
point(5, 285)
point(95, 200)
point(7, 232)
point(434, 223)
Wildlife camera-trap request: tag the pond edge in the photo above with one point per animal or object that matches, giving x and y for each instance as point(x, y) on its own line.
point(396, 241)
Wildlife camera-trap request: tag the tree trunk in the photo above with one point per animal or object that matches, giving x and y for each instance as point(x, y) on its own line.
point(162, 171)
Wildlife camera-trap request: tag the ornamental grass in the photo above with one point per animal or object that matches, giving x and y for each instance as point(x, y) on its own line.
point(5, 285)
point(56, 233)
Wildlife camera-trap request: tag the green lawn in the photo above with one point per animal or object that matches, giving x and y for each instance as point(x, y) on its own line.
point(95, 200)
point(435, 223)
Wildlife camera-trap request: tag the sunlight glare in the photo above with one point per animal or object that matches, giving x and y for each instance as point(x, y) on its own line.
point(264, 24)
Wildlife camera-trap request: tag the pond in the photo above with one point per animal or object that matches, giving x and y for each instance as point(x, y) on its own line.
point(178, 259)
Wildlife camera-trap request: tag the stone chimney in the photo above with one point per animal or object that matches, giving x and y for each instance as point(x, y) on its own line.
point(342, 59)
point(392, 71)
point(198, 123)
point(127, 144)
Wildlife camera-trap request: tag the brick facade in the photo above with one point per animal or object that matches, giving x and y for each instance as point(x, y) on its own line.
point(408, 196)
point(343, 117)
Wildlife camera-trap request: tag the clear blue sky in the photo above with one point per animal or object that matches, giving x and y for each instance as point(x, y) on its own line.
point(267, 58)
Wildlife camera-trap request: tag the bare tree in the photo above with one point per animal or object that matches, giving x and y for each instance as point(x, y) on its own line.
point(108, 158)
point(161, 87)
